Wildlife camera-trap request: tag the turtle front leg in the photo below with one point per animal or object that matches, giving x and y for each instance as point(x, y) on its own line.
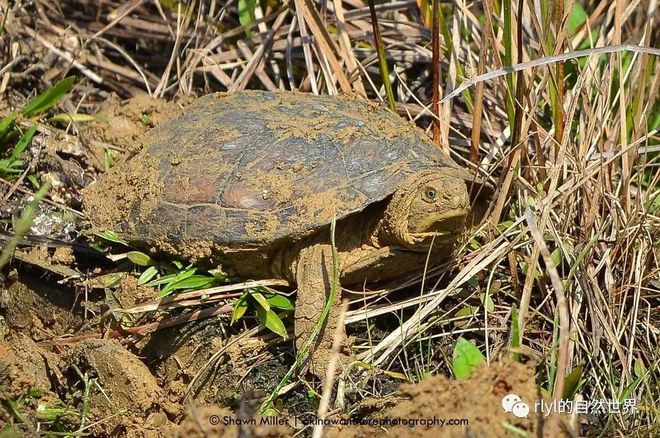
point(313, 278)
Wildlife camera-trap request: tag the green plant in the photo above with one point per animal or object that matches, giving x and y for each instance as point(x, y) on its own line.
point(246, 13)
point(33, 110)
point(265, 303)
point(169, 276)
point(44, 412)
point(467, 357)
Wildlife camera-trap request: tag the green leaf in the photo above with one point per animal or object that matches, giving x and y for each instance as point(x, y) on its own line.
point(639, 368)
point(272, 322)
point(106, 280)
point(488, 303)
point(110, 236)
point(6, 124)
point(35, 393)
point(466, 358)
point(571, 383)
point(503, 226)
point(515, 334)
point(163, 280)
point(218, 275)
point(545, 393)
point(47, 413)
point(35, 182)
point(12, 164)
point(240, 307)
point(524, 267)
point(576, 18)
point(23, 143)
point(148, 275)
point(109, 156)
point(48, 98)
point(280, 302)
point(627, 393)
point(178, 278)
point(556, 257)
point(246, 11)
point(8, 166)
point(464, 314)
point(270, 412)
point(146, 120)
point(193, 282)
point(140, 258)
point(260, 299)
point(71, 117)
point(98, 247)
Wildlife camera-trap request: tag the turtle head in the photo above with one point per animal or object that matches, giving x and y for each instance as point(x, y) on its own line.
point(431, 206)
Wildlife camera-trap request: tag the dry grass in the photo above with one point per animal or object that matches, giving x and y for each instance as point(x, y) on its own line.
point(570, 239)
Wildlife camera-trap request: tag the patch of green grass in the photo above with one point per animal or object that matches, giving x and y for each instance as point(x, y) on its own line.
point(177, 277)
point(10, 130)
point(12, 166)
point(29, 407)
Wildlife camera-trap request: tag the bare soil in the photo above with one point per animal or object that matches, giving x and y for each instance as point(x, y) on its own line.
point(477, 399)
point(122, 123)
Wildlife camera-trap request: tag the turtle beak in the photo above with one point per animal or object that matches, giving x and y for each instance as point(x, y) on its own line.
point(447, 223)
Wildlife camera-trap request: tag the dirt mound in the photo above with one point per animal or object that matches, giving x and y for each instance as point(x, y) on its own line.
point(37, 307)
point(123, 123)
point(206, 421)
point(23, 365)
point(131, 397)
point(439, 406)
point(26, 372)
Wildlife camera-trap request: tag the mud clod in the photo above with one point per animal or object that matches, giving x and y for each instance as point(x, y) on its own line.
point(123, 123)
point(39, 307)
point(24, 366)
point(478, 399)
point(133, 190)
point(127, 382)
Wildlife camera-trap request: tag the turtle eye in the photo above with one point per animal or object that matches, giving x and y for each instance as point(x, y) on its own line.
point(430, 194)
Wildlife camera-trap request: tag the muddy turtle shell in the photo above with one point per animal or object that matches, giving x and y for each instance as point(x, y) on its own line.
point(249, 169)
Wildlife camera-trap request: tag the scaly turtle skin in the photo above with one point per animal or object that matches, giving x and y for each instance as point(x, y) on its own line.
point(253, 180)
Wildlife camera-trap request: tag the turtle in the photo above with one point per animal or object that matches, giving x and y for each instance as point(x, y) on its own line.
point(254, 180)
